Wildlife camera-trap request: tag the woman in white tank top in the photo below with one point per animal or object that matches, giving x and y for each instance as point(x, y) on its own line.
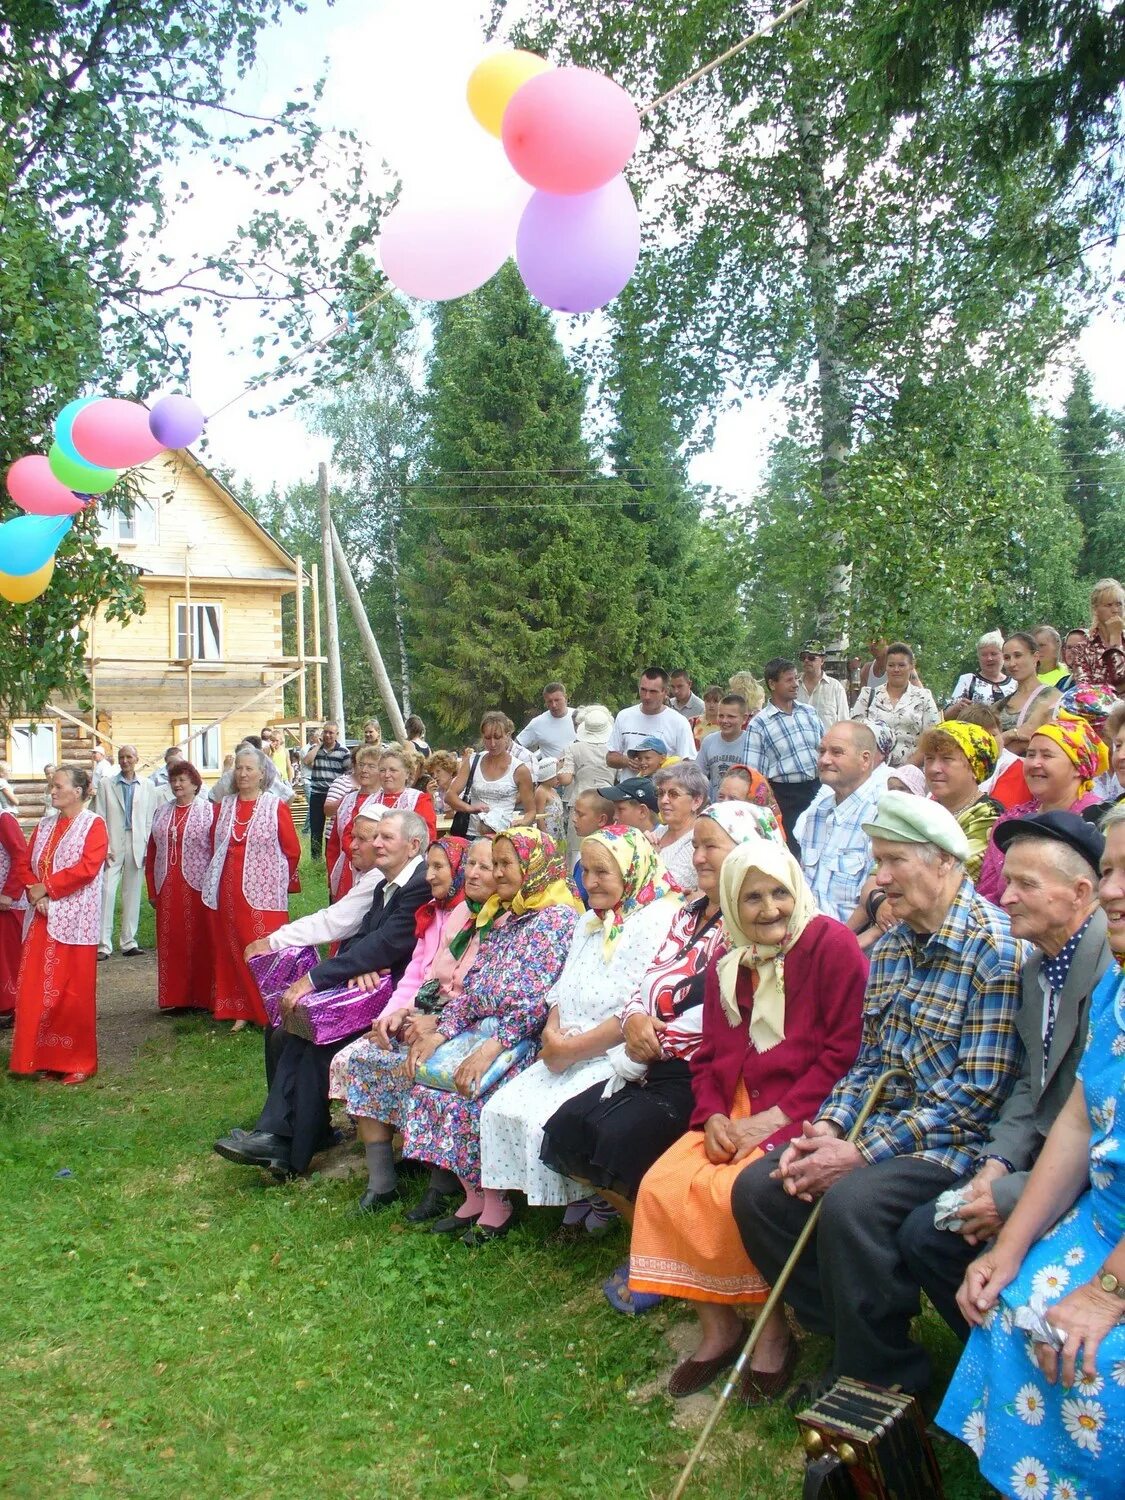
point(500, 783)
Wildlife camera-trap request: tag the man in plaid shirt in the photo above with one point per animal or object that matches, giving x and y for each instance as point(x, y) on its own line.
point(941, 1003)
point(783, 743)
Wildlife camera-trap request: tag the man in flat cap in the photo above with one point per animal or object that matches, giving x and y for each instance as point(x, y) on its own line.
point(940, 1008)
point(1051, 868)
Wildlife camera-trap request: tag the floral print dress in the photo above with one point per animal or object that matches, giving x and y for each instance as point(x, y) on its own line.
point(1037, 1441)
point(516, 966)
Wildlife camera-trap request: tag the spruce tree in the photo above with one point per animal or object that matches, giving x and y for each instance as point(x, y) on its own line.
point(1094, 469)
point(516, 553)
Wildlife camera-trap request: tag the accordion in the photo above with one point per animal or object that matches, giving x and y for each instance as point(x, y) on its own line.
point(324, 1015)
point(865, 1443)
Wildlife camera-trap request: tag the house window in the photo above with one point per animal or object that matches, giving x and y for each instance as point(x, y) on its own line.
point(205, 623)
point(31, 746)
point(140, 526)
point(205, 751)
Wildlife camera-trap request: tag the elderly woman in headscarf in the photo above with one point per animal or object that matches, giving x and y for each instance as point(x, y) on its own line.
point(524, 932)
point(632, 904)
point(1062, 761)
point(956, 758)
point(782, 1020)
point(610, 1134)
point(251, 874)
point(361, 1070)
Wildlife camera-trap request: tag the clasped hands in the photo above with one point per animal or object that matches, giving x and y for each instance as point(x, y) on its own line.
point(1083, 1317)
point(814, 1160)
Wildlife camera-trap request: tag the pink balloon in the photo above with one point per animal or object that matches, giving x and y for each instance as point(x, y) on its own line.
point(114, 434)
point(575, 253)
point(36, 490)
point(440, 250)
point(570, 130)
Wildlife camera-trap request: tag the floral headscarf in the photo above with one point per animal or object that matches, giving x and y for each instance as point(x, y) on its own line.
point(455, 850)
point(884, 735)
point(978, 746)
point(1094, 704)
point(544, 878)
point(744, 820)
point(1080, 744)
point(913, 779)
point(767, 1019)
point(644, 876)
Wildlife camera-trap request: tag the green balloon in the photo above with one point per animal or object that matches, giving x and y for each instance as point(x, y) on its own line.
point(83, 479)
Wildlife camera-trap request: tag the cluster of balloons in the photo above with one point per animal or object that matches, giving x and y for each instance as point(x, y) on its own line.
point(95, 439)
point(555, 195)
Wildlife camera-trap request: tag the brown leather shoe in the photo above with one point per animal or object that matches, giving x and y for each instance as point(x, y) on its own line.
point(760, 1387)
point(692, 1375)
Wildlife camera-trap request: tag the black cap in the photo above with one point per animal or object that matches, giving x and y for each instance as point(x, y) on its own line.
point(1066, 828)
point(632, 789)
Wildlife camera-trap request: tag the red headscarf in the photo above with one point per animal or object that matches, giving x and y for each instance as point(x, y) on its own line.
point(455, 850)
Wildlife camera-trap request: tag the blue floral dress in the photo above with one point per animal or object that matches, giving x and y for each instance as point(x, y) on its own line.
point(1032, 1439)
point(517, 965)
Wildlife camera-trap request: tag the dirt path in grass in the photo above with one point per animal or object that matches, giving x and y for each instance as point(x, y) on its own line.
point(127, 1013)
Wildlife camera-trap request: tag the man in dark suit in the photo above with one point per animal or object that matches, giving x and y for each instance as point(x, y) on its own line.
point(295, 1122)
point(1051, 869)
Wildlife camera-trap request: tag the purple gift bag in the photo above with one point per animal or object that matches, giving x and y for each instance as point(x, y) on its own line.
point(323, 1016)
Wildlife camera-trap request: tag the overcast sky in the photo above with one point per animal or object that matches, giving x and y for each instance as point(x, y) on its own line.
point(396, 72)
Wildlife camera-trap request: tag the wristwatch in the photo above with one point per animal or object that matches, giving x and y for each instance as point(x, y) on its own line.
point(1109, 1283)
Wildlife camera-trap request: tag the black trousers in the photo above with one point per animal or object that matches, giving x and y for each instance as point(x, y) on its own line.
point(316, 821)
point(852, 1282)
point(274, 1039)
point(793, 797)
point(296, 1106)
point(937, 1259)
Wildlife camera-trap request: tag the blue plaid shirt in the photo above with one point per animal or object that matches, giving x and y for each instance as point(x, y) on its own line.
point(785, 747)
point(835, 852)
point(941, 1005)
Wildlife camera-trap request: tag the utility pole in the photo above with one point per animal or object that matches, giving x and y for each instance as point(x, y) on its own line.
point(367, 637)
point(335, 678)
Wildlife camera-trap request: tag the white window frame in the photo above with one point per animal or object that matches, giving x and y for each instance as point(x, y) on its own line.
point(120, 529)
point(205, 752)
point(199, 637)
point(20, 734)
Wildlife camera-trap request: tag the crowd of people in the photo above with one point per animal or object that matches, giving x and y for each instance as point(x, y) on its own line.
point(651, 967)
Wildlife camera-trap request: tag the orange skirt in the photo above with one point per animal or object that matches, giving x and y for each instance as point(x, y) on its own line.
point(685, 1242)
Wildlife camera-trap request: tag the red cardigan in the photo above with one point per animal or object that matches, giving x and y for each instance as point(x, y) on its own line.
point(825, 976)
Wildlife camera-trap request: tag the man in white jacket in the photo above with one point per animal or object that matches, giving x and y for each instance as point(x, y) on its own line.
point(127, 804)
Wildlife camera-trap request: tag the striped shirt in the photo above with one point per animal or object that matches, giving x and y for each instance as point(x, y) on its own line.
point(785, 747)
point(328, 765)
point(941, 1005)
point(835, 852)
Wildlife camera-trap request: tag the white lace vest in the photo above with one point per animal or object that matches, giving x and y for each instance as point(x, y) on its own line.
point(265, 870)
point(195, 844)
point(74, 920)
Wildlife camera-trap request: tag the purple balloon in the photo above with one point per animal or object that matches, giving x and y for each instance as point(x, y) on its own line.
point(176, 421)
point(577, 252)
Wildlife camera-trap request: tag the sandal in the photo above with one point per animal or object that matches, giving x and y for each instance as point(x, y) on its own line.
point(632, 1304)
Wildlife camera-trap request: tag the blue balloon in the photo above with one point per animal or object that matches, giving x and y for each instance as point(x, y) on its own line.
point(64, 422)
point(27, 542)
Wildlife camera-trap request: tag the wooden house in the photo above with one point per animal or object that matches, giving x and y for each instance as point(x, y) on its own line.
point(205, 663)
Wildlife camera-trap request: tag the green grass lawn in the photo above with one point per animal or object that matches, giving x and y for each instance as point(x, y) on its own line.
point(176, 1325)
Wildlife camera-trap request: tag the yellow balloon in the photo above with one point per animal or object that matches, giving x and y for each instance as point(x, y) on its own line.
point(22, 588)
point(493, 82)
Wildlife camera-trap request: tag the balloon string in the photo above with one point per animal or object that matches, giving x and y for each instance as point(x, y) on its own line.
point(747, 41)
point(647, 109)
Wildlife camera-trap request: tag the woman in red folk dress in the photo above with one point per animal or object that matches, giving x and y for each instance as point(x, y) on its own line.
point(253, 868)
point(176, 860)
point(396, 792)
point(15, 875)
point(56, 1006)
point(338, 845)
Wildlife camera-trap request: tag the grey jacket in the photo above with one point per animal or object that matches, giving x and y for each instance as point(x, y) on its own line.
point(1032, 1106)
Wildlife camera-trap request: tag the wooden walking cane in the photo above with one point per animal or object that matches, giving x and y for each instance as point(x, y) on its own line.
point(777, 1291)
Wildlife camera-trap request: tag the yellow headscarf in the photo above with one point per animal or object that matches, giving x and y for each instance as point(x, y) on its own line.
point(767, 1018)
point(643, 876)
point(1082, 746)
point(544, 878)
point(975, 743)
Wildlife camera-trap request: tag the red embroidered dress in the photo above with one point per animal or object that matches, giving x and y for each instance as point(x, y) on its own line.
point(56, 1007)
point(15, 874)
point(252, 869)
point(176, 860)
